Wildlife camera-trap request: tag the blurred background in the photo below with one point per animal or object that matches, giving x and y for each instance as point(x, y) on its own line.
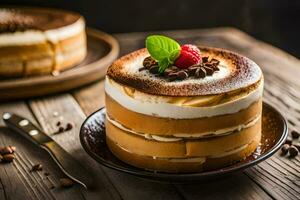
point(273, 21)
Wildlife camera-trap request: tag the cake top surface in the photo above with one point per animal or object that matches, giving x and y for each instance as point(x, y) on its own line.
point(14, 19)
point(235, 72)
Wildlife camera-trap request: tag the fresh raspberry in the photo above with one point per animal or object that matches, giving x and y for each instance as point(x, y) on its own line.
point(189, 55)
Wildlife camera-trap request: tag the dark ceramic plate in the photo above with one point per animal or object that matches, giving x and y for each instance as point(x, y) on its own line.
point(92, 137)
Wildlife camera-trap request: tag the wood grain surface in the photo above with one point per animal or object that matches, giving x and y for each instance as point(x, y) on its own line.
point(276, 178)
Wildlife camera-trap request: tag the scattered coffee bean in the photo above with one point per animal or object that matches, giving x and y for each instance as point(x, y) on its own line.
point(167, 72)
point(61, 129)
point(295, 134)
point(288, 141)
point(8, 158)
point(148, 62)
point(36, 167)
point(172, 76)
point(58, 123)
point(297, 146)
point(142, 68)
point(6, 150)
point(181, 75)
point(172, 69)
point(154, 69)
point(285, 149)
point(293, 151)
point(66, 182)
point(69, 127)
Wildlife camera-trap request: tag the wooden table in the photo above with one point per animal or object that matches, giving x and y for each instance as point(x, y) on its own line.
point(276, 178)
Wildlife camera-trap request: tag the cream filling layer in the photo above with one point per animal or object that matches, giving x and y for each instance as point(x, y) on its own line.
point(159, 106)
point(31, 37)
point(179, 137)
point(199, 160)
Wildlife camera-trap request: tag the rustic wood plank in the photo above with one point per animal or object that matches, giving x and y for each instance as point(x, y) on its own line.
point(16, 180)
point(63, 108)
point(235, 186)
point(91, 98)
point(126, 185)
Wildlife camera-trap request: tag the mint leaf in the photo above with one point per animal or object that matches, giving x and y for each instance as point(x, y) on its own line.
point(163, 49)
point(163, 65)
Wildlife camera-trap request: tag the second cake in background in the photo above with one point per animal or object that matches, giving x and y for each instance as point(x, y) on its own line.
point(37, 41)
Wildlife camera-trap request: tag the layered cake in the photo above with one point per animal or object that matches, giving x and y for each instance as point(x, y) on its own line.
point(36, 41)
point(200, 110)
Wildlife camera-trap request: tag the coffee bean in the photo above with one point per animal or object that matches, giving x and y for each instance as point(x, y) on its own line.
point(295, 134)
point(58, 123)
point(200, 72)
point(142, 68)
point(6, 150)
point(154, 69)
point(181, 75)
point(285, 149)
point(172, 69)
point(172, 76)
point(8, 157)
point(288, 141)
point(69, 127)
point(293, 151)
point(37, 167)
point(66, 182)
point(167, 72)
point(61, 129)
point(1, 158)
point(297, 146)
point(148, 62)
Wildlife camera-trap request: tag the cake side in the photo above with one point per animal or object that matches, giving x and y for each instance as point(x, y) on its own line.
point(36, 41)
point(187, 124)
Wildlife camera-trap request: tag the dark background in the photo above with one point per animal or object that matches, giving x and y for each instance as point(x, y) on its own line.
point(273, 21)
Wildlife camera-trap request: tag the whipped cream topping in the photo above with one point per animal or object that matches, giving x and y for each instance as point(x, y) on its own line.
point(179, 137)
point(159, 106)
point(31, 37)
